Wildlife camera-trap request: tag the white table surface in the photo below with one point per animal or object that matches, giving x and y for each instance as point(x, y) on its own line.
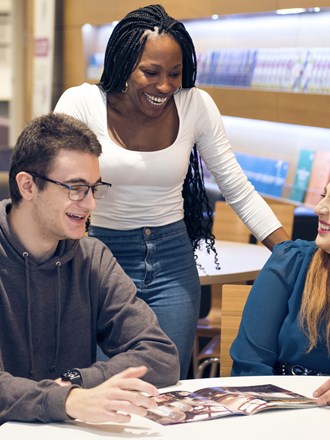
point(286, 424)
point(238, 262)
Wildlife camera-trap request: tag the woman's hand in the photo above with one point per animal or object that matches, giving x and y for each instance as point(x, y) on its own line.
point(114, 400)
point(322, 393)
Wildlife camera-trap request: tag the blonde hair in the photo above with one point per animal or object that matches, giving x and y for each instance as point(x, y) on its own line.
point(315, 305)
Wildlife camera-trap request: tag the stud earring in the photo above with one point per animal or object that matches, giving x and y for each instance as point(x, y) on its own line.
point(124, 90)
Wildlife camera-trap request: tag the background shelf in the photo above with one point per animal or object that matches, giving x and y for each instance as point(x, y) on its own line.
point(292, 108)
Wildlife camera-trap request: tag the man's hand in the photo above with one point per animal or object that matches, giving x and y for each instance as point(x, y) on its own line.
point(322, 393)
point(114, 400)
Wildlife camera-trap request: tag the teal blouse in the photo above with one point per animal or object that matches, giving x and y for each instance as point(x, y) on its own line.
point(270, 331)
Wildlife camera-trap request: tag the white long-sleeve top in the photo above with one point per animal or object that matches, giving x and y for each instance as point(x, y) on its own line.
point(147, 186)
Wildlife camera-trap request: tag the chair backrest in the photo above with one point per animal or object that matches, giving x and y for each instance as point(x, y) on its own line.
point(284, 211)
point(227, 225)
point(234, 297)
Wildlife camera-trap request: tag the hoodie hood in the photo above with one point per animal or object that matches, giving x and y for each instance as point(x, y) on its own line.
point(12, 250)
point(15, 256)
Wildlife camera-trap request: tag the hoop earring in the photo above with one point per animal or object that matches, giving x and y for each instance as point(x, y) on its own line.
point(124, 90)
point(177, 90)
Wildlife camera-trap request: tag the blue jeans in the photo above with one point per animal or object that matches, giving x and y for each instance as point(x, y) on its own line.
point(161, 263)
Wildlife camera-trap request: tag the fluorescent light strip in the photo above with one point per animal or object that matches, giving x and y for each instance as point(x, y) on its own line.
point(291, 11)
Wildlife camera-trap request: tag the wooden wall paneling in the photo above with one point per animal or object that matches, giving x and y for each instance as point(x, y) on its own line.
point(78, 12)
point(182, 10)
point(284, 4)
point(304, 109)
point(245, 103)
point(95, 12)
point(243, 6)
point(291, 108)
point(73, 57)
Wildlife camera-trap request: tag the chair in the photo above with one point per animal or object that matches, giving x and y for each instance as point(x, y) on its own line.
point(216, 352)
point(226, 226)
point(234, 297)
point(284, 211)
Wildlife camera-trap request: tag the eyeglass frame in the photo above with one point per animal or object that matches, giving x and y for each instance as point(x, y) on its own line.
point(73, 187)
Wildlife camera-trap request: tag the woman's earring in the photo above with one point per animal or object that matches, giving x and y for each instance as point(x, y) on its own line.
point(124, 90)
point(177, 90)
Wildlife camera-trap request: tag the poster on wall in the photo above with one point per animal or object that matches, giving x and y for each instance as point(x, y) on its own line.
point(44, 25)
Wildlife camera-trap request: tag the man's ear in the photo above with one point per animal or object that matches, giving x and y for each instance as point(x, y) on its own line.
point(26, 185)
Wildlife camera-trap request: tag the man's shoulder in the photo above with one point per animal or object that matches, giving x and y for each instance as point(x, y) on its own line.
point(92, 244)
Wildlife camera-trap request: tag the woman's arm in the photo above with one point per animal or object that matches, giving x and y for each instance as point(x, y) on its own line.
point(275, 237)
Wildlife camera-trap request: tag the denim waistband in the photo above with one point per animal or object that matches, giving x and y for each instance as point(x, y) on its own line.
point(152, 232)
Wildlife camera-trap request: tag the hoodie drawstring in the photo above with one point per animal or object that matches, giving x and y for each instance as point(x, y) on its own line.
point(28, 300)
point(57, 318)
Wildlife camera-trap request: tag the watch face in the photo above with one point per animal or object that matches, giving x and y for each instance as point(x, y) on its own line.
point(72, 376)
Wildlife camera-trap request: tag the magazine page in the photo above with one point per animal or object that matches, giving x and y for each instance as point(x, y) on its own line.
point(214, 402)
point(254, 398)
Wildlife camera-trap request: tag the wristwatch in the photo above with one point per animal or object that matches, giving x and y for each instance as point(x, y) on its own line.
point(72, 376)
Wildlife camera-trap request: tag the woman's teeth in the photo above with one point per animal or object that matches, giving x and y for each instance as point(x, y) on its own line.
point(324, 227)
point(155, 100)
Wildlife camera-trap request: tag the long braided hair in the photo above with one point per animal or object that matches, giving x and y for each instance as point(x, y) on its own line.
point(123, 51)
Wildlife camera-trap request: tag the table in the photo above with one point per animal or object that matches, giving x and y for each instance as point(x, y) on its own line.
point(239, 262)
point(302, 424)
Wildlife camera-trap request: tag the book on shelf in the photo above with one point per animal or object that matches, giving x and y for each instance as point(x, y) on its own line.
point(267, 175)
point(214, 402)
point(319, 178)
point(302, 176)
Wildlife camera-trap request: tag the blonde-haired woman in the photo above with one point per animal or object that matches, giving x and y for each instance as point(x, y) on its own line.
point(285, 327)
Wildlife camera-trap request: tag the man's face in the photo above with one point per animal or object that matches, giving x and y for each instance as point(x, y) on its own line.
point(55, 215)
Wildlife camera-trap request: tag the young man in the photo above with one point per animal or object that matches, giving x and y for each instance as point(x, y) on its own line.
point(62, 294)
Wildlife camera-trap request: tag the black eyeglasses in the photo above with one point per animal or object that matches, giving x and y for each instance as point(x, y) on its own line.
point(79, 192)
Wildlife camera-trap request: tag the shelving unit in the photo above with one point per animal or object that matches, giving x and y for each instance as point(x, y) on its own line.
point(286, 114)
point(264, 114)
point(267, 31)
point(285, 107)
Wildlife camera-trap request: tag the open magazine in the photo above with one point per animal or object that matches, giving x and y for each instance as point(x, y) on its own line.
point(210, 403)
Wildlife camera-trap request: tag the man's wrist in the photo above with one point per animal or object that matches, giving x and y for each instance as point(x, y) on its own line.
point(72, 376)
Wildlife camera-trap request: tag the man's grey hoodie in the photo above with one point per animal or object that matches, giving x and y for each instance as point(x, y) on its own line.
point(54, 314)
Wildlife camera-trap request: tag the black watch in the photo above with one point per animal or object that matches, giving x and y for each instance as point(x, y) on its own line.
point(72, 376)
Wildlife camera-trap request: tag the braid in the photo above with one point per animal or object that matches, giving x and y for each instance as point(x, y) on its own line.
point(127, 42)
point(195, 204)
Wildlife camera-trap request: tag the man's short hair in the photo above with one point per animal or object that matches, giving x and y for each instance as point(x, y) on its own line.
point(40, 142)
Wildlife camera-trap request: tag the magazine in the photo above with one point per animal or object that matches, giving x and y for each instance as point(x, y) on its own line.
point(214, 402)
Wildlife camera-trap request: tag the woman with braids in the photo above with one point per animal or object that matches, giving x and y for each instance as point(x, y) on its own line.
point(285, 327)
point(154, 125)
